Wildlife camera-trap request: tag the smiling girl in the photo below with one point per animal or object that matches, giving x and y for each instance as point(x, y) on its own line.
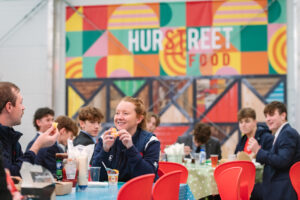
point(135, 151)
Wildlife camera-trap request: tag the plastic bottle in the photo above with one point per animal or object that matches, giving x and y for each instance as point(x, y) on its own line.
point(202, 157)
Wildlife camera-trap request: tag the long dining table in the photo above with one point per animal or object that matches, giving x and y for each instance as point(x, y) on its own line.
point(108, 192)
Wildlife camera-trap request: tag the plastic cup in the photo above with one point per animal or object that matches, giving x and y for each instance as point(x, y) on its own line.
point(214, 160)
point(113, 176)
point(95, 173)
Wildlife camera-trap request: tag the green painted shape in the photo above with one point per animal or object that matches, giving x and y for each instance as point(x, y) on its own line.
point(88, 66)
point(194, 69)
point(89, 38)
point(129, 87)
point(172, 14)
point(254, 38)
point(178, 15)
point(74, 48)
point(162, 72)
point(277, 11)
point(272, 70)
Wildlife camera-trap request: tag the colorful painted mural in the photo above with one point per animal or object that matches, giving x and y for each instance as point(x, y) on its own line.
point(189, 61)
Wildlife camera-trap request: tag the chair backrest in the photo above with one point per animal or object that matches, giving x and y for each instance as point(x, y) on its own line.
point(295, 177)
point(247, 177)
point(137, 188)
point(167, 186)
point(166, 167)
point(228, 182)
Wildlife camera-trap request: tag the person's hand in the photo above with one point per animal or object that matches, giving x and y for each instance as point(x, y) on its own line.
point(253, 145)
point(125, 138)
point(187, 150)
point(46, 139)
point(108, 140)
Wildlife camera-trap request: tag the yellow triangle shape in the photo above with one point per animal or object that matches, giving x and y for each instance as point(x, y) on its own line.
point(251, 100)
point(75, 22)
point(173, 115)
point(74, 102)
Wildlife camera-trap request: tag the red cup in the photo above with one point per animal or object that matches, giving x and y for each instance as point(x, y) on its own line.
point(214, 160)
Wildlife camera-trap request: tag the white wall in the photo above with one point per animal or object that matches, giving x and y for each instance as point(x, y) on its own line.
point(23, 57)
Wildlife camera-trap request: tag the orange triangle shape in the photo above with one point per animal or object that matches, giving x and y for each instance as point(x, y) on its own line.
point(115, 47)
point(225, 110)
point(87, 88)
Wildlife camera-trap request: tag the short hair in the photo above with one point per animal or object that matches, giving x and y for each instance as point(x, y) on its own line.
point(139, 109)
point(40, 113)
point(156, 117)
point(202, 133)
point(7, 94)
point(246, 113)
point(90, 113)
point(67, 123)
point(275, 105)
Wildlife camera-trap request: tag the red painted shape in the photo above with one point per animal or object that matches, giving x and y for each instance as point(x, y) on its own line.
point(100, 68)
point(168, 135)
point(70, 12)
point(199, 14)
point(226, 109)
point(95, 18)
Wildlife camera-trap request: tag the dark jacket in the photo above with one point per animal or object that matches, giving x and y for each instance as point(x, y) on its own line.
point(263, 136)
point(212, 146)
point(4, 192)
point(141, 158)
point(46, 157)
point(32, 141)
point(83, 139)
point(12, 154)
point(278, 161)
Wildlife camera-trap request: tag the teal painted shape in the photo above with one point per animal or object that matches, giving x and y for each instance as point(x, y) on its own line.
point(162, 72)
point(277, 11)
point(194, 68)
point(272, 70)
point(89, 38)
point(88, 66)
point(74, 48)
point(277, 94)
point(129, 87)
point(235, 37)
point(254, 38)
point(172, 14)
point(121, 35)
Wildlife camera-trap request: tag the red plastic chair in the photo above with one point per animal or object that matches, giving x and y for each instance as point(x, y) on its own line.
point(137, 188)
point(247, 178)
point(166, 167)
point(295, 177)
point(167, 186)
point(228, 182)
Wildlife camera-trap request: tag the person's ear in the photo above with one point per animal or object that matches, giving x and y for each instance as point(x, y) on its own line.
point(8, 106)
point(81, 124)
point(62, 131)
point(140, 118)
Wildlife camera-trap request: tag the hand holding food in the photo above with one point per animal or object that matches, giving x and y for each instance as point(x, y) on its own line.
point(114, 132)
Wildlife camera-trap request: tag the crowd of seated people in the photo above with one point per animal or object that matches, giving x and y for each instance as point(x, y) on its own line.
point(134, 149)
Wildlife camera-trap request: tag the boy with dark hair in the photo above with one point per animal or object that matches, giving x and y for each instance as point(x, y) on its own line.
point(278, 160)
point(67, 130)
point(152, 121)
point(250, 128)
point(89, 120)
point(42, 120)
point(201, 139)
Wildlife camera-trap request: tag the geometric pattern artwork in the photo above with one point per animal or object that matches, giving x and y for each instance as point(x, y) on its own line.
point(180, 101)
point(195, 61)
point(234, 37)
